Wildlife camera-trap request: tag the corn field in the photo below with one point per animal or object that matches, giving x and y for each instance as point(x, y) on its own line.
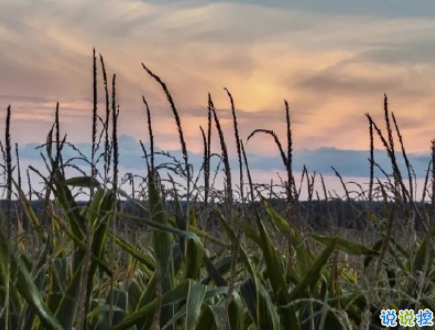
point(216, 260)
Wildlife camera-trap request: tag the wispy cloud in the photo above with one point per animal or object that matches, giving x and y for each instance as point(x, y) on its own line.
point(333, 62)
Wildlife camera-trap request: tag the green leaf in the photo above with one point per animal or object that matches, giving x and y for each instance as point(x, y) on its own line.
point(179, 293)
point(420, 256)
point(313, 275)
point(236, 312)
point(67, 308)
point(32, 295)
point(195, 298)
point(194, 258)
point(346, 246)
point(275, 273)
point(259, 304)
point(134, 252)
point(82, 182)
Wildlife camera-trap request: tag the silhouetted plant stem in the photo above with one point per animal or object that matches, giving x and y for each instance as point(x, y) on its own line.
point(115, 112)
point(405, 158)
point(150, 131)
point(396, 171)
point(322, 180)
point(94, 118)
point(229, 190)
point(8, 218)
point(83, 303)
point(187, 170)
point(275, 138)
point(209, 134)
point(372, 161)
point(107, 147)
point(8, 170)
point(248, 172)
point(29, 184)
point(206, 166)
point(20, 188)
point(433, 177)
point(289, 164)
point(237, 139)
point(17, 156)
point(346, 191)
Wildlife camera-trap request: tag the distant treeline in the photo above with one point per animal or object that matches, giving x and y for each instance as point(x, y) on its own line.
point(317, 214)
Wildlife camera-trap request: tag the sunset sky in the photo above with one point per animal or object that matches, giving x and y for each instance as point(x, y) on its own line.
point(332, 60)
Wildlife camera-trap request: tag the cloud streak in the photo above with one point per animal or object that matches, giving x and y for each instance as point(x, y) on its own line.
point(349, 163)
point(332, 62)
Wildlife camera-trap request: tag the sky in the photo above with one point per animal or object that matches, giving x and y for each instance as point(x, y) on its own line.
point(331, 60)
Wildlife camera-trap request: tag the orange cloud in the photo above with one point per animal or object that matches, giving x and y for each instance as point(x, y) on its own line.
point(332, 69)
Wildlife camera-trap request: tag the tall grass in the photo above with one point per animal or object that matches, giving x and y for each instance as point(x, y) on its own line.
point(245, 265)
